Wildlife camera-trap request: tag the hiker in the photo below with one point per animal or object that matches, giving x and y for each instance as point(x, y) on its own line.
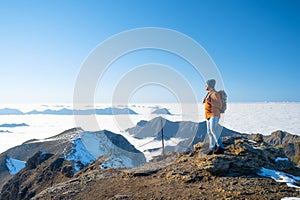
point(213, 104)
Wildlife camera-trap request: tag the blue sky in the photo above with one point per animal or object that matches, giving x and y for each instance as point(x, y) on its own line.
point(255, 45)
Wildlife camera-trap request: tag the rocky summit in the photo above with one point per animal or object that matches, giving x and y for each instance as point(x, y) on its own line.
point(247, 170)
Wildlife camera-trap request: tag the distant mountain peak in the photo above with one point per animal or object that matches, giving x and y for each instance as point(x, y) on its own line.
point(13, 125)
point(10, 111)
point(161, 111)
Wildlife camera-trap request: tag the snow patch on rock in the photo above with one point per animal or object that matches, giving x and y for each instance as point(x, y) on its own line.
point(14, 165)
point(281, 159)
point(281, 177)
point(89, 146)
point(80, 154)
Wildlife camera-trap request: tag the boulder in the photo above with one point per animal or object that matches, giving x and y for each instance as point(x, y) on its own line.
point(244, 157)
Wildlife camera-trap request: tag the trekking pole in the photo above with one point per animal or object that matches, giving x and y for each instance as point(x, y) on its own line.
point(162, 139)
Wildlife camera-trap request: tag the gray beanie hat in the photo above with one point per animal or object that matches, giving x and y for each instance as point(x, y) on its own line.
point(211, 83)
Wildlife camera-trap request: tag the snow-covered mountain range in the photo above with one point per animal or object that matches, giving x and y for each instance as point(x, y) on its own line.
point(77, 146)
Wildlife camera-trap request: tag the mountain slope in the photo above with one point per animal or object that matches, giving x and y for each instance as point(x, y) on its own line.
point(288, 142)
point(54, 145)
point(90, 145)
point(80, 148)
point(238, 174)
point(36, 176)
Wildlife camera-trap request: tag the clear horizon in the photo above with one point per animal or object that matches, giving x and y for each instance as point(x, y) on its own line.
point(254, 44)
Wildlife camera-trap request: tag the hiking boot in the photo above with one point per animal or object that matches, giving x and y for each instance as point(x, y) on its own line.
point(210, 153)
point(219, 150)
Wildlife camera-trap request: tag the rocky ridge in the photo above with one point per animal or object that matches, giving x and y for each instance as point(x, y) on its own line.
point(191, 133)
point(75, 146)
point(237, 174)
point(288, 142)
point(53, 145)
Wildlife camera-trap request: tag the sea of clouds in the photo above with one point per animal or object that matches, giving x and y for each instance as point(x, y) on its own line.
point(262, 118)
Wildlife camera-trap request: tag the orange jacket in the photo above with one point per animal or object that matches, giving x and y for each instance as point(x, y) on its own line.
point(213, 104)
